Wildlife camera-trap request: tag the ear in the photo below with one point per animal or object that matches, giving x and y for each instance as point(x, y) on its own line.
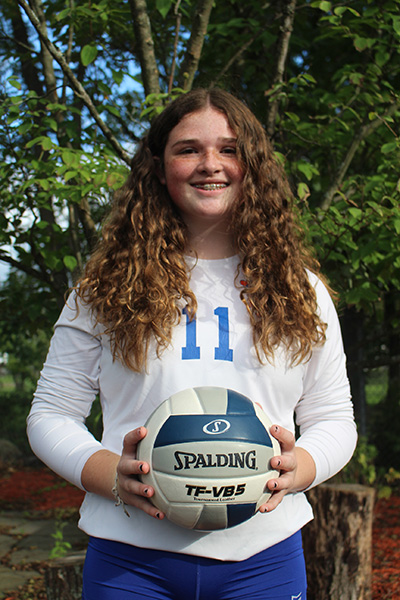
point(158, 163)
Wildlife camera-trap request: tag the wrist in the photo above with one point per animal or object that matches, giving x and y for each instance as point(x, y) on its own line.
point(306, 470)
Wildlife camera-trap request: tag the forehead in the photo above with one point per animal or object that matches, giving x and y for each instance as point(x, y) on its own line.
point(206, 123)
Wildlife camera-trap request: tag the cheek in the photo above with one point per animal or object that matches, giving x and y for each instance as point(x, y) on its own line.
point(238, 173)
point(176, 174)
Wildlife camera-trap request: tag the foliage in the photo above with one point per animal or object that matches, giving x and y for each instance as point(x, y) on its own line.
point(61, 546)
point(14, 408)
point(79, 82)
point(362, 468)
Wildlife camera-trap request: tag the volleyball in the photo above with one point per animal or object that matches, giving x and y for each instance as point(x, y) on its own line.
point(209, 451)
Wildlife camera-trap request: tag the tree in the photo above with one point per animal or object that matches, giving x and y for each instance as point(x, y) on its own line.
point(81, 80)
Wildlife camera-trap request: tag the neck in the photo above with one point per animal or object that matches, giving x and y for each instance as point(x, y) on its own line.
point(211, 242)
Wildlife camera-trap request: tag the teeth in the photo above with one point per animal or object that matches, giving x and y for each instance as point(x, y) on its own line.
point(211, 186)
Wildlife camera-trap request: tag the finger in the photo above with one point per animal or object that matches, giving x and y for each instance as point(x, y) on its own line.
point(285, 462)
point(284, 437)
point(134, 493)
point(274, 501)
point(128, 466)
point(143, 504)
point(132, 439)
point(147, 507)
point(284, 482)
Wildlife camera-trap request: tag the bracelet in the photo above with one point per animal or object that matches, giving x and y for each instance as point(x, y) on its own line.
point(118, 499)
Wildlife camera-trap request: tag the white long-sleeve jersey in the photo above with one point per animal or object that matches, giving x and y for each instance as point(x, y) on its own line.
point(215, 349)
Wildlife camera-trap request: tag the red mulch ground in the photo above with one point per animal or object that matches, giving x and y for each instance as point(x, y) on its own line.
point(41, 490)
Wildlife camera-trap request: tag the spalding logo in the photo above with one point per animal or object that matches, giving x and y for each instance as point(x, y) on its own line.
point(217, 426)
point(236, 460)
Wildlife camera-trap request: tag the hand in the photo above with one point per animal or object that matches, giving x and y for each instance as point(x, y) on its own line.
point(130, 489)
point(296, 466)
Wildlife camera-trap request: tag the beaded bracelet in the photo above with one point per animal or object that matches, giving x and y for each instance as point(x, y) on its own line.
point(118, 499)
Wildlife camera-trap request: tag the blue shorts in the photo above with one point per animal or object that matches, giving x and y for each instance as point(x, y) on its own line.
point(116, 571)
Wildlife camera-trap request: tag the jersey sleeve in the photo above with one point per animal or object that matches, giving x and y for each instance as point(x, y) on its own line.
point(65, 392)
point(324, 414)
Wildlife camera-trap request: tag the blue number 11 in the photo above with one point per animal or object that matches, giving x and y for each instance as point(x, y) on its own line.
point(222, 352)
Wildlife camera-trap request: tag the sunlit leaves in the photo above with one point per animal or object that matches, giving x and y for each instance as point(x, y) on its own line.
point(88, 54)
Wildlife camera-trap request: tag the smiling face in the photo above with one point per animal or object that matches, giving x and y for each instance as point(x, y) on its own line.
point(201, 169)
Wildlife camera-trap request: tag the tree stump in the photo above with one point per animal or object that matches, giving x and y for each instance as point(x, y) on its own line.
point(338, 542)
point(63, 577)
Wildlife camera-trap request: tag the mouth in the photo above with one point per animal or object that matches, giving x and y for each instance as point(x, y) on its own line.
point(210, 186)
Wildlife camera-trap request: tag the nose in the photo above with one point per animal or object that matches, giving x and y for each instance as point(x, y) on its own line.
point(209, 162)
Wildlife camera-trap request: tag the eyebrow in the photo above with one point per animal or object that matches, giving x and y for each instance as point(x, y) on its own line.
point(228, 140)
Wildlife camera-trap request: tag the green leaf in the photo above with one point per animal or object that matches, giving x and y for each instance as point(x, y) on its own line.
point(361, 44)
point(308, 77)
point(70, 175)
point(396, 25)
point(46, 143)
point(52, 124)
point(356, 212)
point(27, 126)
point(382, 58)
point(88, 54)
point(163, 7)
point(390, 147)
point(303, 191)
point(340, 10)
point(70, 262)
point(322, 5)
point(63, 13)
point(15, 83)
point(42, 224)
point(69, 158)
point(113, 110)
point(293, 117)
point(44, 184)
point(118, 76)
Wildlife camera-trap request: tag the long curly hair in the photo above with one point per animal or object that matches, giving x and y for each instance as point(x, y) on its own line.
point(137, 280)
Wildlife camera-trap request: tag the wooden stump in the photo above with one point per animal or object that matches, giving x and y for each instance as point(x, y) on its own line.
point(338, 542)
point(63, 578)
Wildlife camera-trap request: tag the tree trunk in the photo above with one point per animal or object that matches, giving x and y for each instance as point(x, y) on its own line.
point(353, 327)
point(338, 542)
point(63, 578)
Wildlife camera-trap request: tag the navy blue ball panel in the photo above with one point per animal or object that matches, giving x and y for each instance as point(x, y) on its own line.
point(239, 404)
point(237, 513)
point(189, 428)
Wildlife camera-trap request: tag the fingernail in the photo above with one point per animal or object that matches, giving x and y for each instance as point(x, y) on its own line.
point(275, 485)
point(141, 467)
point(158, 516)
point(276, 429)
point(146, 491)
point(278, 464)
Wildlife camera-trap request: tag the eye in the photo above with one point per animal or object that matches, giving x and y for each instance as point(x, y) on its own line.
point(190, 150)
point(229, 150)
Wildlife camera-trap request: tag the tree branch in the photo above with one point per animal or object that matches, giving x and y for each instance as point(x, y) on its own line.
point(144, 38)
point(25, 268)
point(28, 67)
point(363, 133)
point(77, 87)
point(195, 45)
point(282, 51)
point(177, 28)
point(47, 61)
point(235, 57)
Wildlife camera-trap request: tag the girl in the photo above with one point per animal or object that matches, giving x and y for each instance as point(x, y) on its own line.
point(202, 227)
